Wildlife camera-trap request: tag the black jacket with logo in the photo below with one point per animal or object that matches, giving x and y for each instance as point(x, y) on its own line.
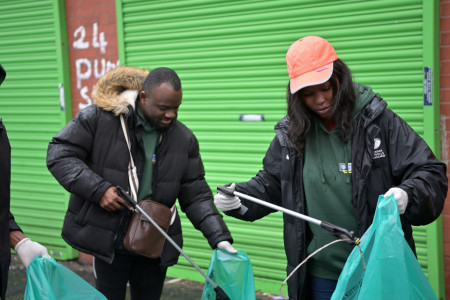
point(90, 154)
point(401, 159)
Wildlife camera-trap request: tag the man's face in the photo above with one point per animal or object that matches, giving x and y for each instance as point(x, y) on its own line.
point(160, 107)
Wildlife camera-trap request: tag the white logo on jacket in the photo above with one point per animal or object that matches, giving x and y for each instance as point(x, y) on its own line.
point(378, 153)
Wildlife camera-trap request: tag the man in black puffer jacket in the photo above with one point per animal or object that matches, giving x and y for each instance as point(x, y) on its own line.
point(90, 157)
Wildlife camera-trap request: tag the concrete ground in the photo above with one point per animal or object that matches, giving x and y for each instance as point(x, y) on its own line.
point(174, 288)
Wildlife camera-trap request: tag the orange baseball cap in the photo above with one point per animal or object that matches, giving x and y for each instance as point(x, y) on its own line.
point(309, 62)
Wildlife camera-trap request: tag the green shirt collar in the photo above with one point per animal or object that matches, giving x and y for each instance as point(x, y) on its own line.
point(148, 127)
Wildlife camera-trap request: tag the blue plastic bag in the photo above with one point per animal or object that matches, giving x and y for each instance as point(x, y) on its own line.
point(391, 268)
point(231, 272)
point(49, 280)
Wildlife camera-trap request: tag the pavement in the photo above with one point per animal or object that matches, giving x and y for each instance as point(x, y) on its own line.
point(174, 288)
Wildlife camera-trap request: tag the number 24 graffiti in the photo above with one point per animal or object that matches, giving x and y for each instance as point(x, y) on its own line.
point(98, 39)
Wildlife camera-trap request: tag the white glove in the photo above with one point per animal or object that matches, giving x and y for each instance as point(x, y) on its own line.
point(226, 203)
point(225, 245)
point(400, 196)
point(27, 250)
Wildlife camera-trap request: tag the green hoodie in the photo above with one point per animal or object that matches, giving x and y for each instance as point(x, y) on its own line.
point(328, 191)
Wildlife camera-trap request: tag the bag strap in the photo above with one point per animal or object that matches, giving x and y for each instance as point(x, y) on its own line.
point(132, 175)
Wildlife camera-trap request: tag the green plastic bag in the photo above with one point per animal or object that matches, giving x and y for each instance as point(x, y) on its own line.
point(391, 268)
point(231, 272)
point(49, 280)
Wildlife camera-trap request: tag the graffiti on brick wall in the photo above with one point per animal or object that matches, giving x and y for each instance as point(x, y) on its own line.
point(89, 69)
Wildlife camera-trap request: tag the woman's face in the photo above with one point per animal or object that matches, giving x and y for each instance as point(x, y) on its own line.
point(319, 99)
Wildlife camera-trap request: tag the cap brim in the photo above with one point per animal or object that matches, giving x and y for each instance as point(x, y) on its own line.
point(311, 78)
point(2, 74)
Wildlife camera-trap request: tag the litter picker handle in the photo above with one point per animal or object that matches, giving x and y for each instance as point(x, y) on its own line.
point(229, 192)
point(124, 195)
point(225, 191)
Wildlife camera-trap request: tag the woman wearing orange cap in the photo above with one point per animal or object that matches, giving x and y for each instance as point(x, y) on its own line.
point(334, 153)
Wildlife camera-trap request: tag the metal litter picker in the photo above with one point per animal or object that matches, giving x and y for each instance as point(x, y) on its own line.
point(220, 294)
point(339, 232)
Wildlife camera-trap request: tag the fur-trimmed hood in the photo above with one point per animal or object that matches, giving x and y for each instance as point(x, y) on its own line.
point(118, 88)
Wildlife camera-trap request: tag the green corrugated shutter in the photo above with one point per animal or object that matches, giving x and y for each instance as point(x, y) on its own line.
point(33, 42)
point(230, 56)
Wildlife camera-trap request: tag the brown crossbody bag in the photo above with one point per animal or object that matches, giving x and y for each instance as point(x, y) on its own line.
point(142, 237)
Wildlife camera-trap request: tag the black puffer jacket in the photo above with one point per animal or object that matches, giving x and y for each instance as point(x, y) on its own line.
point(407, 162)
point(90, 154)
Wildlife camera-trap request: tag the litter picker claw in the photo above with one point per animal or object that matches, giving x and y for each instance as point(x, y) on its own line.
point(339, 232)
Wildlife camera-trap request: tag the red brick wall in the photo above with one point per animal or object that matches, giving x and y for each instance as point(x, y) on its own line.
point(445, 126)
point(92, 40)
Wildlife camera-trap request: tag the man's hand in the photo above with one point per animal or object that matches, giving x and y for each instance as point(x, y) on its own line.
point(27, 250)
point(400, 196)
point(225, 245)
point(110, 201)
point(226, 203)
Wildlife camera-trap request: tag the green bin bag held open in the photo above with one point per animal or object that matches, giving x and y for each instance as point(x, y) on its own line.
point(392, 270)
point(49, 280)
point(233, 273)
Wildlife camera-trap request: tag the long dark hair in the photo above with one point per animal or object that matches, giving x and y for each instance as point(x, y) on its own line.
point(344, 101)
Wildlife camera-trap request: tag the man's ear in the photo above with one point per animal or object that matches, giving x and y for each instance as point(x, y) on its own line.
point(142, 97)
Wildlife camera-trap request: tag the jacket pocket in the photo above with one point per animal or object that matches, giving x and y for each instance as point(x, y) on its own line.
point(80, 217)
